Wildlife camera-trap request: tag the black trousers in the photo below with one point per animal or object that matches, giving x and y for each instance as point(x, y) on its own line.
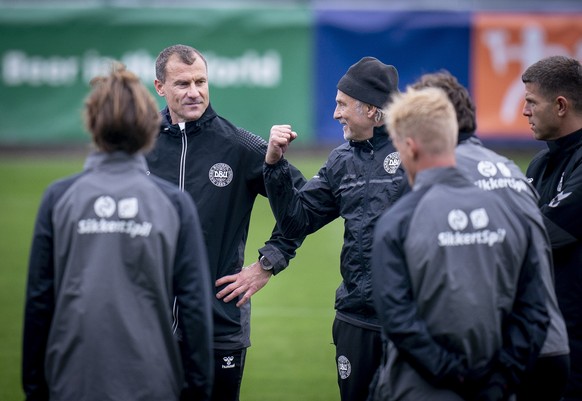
point(358, 356)
point(228, 372)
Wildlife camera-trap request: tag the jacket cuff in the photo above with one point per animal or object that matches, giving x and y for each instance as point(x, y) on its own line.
point(271, 167)
point(275, 257)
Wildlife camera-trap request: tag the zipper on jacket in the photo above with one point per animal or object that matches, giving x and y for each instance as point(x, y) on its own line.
point(182, 175)
point(371, 148)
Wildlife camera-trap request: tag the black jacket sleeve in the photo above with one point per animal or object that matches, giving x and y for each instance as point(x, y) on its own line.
point(299, 212)
point(40, 303)
point(281, 247)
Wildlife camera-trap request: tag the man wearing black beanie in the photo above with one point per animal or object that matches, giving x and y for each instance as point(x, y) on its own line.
point(370, 81)
point(358, 182)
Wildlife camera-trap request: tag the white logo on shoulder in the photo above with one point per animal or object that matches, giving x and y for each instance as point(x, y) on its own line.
point(486, 168)
point(494, 182)
point(489, 169)
point(344, 367)
point(104, 206)
point(220, 174)
point(459, 221)
point(392, 162)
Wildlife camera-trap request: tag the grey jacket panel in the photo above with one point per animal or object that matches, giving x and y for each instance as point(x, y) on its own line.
point(443, 292)
point(122, 248)
point(495, 173)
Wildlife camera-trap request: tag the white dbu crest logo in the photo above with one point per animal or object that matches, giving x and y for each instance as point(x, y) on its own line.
point(344, 367)
point(392, 162)
point(220, 174)
point(228, 361)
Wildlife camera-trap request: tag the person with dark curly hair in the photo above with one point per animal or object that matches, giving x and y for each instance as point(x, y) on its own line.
point(498, 174)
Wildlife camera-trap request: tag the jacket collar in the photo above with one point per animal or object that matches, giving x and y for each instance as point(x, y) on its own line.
point(191, 126)
point(465, 136)
point(99, 158)
point(432, 176)
point(379, 138)
point(565, 143)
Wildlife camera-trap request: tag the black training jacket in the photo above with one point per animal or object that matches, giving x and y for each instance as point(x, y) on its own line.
point(358, 182)
point(221, 166)
point(556, 174)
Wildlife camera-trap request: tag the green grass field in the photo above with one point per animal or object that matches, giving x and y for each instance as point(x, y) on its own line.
point(291, 357)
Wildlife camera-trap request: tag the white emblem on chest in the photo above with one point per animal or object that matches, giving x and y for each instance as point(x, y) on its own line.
point(392, 162)
point(220, 174)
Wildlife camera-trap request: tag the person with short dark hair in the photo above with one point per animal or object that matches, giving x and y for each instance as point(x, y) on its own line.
point(112, 250)
point(493, 172)
point(221, 166)
point(461, 325)
point(359, 181)
point(553, 108)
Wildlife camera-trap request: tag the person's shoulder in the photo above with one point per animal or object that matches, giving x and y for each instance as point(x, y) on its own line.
point(340, 153)
point(486, 162)
point(61, 185)
point(56, 192)
point(249, 143)
point(239, 136)
point(477, 152)
point(537, 162)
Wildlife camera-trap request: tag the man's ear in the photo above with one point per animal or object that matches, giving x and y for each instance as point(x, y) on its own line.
point(412, 147)
point(159, 87)
point(562, 105)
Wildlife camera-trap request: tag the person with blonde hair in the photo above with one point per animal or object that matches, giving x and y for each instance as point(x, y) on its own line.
point(112, 248)
point(498, 174)
point(460, 324)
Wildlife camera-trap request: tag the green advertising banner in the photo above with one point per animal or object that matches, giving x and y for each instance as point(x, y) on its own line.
point(259, 63)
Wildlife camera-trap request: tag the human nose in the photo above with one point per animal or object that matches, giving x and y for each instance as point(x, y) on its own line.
point(336, 113)
point(193, 91)
point(526, 111)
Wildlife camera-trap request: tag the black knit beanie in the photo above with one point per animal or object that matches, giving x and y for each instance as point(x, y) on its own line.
point(370, 81)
